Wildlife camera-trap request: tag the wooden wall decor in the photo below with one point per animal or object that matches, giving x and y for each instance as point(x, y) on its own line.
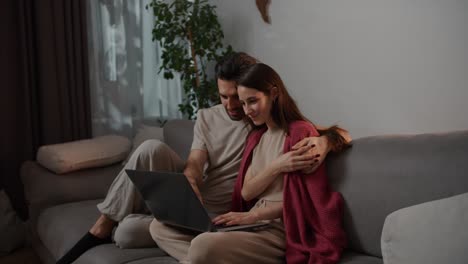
point(263, 6)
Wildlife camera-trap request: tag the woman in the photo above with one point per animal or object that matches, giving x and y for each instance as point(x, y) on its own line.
point(272, 185)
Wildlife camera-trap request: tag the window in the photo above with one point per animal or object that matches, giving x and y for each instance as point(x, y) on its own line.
point(124, 63)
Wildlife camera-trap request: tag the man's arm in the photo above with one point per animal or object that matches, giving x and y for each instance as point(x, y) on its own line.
point(194, 169)
point(332, 138)
point(337, 138)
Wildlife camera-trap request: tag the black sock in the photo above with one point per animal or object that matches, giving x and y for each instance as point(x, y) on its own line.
point(86, 242)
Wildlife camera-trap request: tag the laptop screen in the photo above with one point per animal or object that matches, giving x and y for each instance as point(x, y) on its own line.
point(171, 199)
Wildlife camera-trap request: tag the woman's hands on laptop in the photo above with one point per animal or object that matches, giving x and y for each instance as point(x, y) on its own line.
point(272, 210)
point(236, 218)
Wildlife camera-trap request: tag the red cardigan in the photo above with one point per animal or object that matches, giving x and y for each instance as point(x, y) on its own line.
point(312, 212)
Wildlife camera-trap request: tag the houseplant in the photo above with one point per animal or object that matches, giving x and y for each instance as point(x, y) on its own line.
point(191, 40)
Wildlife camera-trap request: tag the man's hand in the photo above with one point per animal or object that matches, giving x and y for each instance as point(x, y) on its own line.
point(194, 170)
point(319, 149)
point(196, 190)
point(236, 218)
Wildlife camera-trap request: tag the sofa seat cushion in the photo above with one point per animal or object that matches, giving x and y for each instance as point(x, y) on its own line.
point(155, 260)
point(60, 227)
point(111, 254)
point(432, 232)
point(350, 257)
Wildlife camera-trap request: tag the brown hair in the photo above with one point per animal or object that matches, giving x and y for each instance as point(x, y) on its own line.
point(231, 66)
point(284, 110)
point(263, 78)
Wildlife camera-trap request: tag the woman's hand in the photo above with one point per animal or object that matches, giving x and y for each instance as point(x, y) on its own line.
point(319, 148)
point(298, 159)
point(236, 218)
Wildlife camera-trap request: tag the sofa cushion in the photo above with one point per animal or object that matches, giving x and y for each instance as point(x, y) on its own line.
point(60, 227)
point(381, 174)
point(110, 254)
point(347, 258)
point(43, 188)
point(432, 232)
point(82, 154)
point(350, 257)
point(178, 134)
point(155, 260)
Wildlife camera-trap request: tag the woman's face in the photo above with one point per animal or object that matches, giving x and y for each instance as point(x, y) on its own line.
point(257, 105)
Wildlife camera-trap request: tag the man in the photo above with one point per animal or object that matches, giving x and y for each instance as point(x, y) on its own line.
point(211, 167)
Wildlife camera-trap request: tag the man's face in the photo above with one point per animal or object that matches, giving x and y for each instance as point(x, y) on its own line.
point(230, 100)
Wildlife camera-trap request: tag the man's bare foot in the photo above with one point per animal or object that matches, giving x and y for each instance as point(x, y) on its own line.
point(103, 227)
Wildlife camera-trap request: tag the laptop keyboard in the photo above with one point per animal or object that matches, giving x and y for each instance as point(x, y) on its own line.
point(223, 226)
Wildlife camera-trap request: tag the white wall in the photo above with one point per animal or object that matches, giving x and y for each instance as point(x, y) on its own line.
point(372, 66)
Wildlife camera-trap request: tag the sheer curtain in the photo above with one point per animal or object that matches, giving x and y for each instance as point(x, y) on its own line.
point(124, 61)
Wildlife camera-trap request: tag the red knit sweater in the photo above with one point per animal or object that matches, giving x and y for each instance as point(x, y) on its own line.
point(312, 212)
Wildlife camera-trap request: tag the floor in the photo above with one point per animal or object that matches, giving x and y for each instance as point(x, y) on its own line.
point(21, 256)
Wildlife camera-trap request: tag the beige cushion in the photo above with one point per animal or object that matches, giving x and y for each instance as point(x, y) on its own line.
point(145, 133)
point(429, 233)
point(83, 154)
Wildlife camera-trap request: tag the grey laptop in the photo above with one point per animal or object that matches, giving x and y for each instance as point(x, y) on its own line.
point(171, 199)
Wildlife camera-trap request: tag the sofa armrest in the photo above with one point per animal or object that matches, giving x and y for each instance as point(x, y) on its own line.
point(44, 188)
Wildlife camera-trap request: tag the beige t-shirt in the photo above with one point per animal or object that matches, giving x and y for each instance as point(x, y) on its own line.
point(269, 148)
point(223, 139)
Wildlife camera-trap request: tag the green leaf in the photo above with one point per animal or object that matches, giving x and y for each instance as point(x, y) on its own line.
point(172, 21)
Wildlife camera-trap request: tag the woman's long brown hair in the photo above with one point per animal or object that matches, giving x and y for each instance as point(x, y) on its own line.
point(263, 78)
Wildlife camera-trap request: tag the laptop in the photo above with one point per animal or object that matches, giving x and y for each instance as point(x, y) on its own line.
point(171, 199)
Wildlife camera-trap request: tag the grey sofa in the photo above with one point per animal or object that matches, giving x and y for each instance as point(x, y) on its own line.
point(377, 176)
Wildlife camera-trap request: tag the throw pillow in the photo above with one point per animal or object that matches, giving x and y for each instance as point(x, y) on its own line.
point(12, 229)
point(83, 154)
point(434, 232)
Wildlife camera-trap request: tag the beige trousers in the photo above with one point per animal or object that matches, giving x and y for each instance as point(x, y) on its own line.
point(265, 246)
point(123, 203)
